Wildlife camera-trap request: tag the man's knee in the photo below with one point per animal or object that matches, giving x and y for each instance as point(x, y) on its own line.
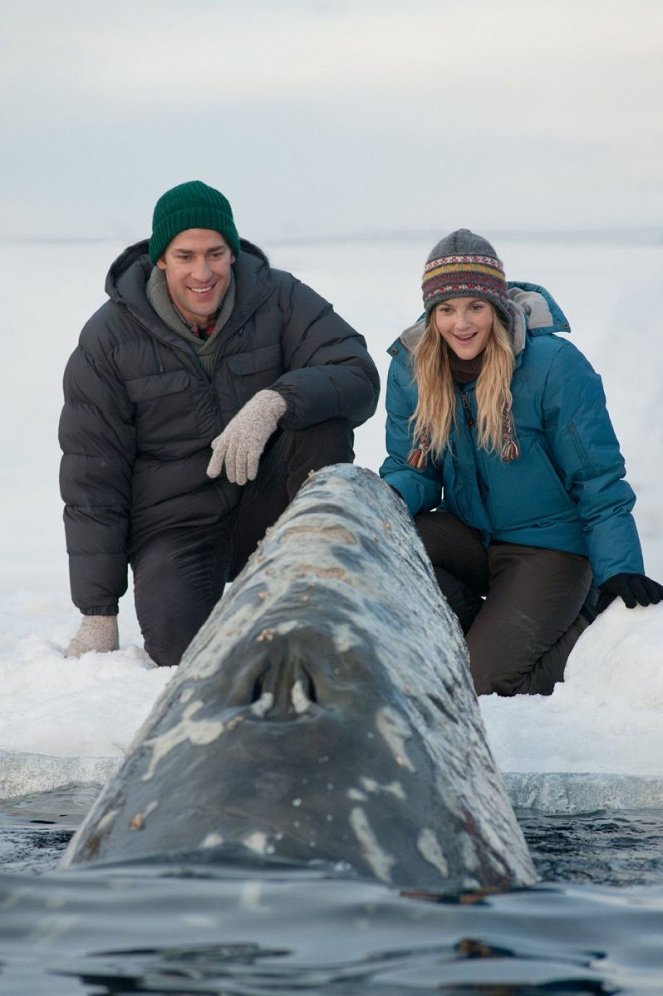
point(325, 443)
point(169, 626)
point(178, 579)
point(164, 655)
point(315, 447)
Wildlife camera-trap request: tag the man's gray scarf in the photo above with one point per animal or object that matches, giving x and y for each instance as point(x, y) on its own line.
point(157, 294)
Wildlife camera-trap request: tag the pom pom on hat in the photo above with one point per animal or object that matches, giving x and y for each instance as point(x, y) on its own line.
point(191, 205)
point(465, 265)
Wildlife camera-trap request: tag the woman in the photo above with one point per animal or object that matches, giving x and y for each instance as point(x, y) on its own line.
point(487, 405)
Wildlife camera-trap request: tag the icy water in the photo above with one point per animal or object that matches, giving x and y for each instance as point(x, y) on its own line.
point(593, 925)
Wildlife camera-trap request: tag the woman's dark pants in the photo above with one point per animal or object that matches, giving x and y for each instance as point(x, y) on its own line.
point(519, 606)
point(179, 575)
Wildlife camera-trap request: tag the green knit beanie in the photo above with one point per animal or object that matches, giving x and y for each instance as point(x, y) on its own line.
point(191, 205)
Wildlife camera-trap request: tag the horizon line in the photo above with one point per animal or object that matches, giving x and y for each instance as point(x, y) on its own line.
point(644, 234)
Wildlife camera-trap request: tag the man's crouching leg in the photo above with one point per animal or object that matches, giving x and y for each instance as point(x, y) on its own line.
point(179, 576)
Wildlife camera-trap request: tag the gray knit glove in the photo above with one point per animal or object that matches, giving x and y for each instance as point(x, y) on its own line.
point(241, 443)
point(97, 633)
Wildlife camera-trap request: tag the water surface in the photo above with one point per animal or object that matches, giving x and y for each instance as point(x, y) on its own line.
point(593, 925)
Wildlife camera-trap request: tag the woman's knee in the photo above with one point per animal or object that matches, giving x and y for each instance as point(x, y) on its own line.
point(515, 672)
point(454, 548)
point(522, 637)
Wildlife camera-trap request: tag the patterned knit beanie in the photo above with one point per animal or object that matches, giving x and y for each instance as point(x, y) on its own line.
point(191, 205)
point(465, 265)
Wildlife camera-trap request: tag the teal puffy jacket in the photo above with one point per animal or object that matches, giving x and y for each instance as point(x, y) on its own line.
point(566, 490)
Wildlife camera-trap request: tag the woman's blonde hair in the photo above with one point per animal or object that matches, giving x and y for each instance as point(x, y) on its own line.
point(435, 413)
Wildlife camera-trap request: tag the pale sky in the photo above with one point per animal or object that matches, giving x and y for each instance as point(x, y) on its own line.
point(323, 118)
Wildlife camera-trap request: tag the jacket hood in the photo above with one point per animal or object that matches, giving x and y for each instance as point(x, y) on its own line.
point(532, 309)
point(542, 314)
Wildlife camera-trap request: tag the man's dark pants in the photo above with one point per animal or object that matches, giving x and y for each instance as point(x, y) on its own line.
point(179, 575)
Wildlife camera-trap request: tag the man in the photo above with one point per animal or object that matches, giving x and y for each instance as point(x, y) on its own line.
point(201, 344)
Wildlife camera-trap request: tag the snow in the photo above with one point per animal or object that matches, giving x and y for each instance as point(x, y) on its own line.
point(597, 741)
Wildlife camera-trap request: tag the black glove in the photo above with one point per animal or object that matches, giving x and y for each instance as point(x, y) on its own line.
point(635, 589)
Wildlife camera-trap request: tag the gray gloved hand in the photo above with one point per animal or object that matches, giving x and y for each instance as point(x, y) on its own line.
point(241, 443)
point(97, 633)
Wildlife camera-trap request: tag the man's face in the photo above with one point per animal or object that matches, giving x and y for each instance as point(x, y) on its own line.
point(197, 267)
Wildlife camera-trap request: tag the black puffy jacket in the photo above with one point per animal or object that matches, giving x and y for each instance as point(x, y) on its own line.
point(140, 411)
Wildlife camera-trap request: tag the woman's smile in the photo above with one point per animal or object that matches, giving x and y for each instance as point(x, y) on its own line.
point(465, 324)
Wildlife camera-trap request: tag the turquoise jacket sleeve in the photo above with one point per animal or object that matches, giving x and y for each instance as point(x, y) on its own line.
point(590, 464)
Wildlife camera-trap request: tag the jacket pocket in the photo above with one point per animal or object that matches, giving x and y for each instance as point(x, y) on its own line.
point(574, 436)
point(527, 492)
point(255, 361)
point(157, 385)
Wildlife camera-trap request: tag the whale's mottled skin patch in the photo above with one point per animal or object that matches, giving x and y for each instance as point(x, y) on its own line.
point(379, 860)
point(212, 840)
point(324, 712)
point(107, 819)
point(394, 788)
point(257, 842)
point(396, 732)
point(429, 848)
point(199, 732)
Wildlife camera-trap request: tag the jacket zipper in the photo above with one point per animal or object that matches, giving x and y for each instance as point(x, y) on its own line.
point(471, 425)
point(467, 411)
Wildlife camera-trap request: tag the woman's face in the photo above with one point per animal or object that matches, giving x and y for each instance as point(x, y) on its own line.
point(465, 324)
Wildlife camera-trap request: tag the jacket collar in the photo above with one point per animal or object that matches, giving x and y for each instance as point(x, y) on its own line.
point(128, 276)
